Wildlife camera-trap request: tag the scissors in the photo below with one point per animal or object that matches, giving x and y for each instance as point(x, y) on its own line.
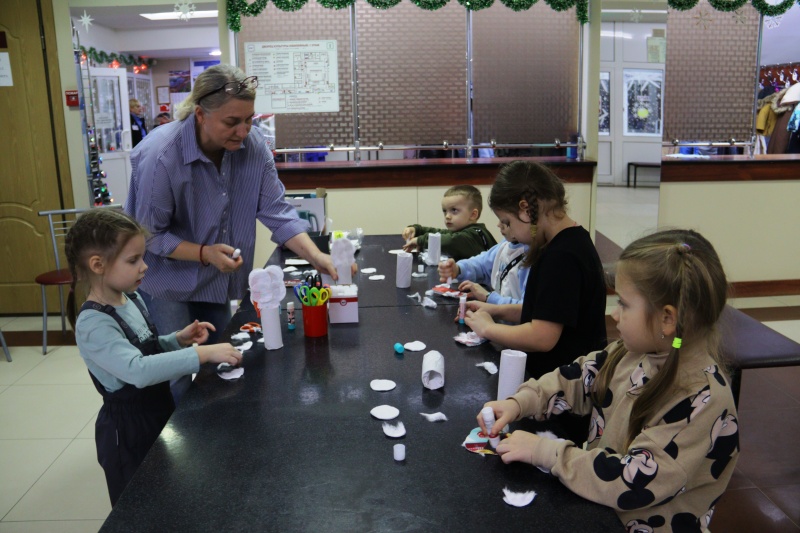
point(313, 296)
point(314, 281)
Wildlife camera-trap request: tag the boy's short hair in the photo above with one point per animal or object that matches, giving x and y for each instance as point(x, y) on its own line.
point(472, 194)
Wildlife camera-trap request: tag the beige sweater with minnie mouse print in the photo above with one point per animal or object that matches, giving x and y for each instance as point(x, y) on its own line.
point(674, 471)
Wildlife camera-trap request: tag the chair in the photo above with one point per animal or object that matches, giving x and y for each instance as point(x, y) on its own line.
point(59, 221)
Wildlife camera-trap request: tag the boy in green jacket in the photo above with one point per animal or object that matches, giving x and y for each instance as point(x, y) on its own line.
point(464, 236)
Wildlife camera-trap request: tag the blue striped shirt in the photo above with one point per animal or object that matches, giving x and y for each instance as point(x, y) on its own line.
point(177, 193)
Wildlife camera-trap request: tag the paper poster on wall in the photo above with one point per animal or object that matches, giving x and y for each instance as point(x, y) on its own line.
point(6, 80)
point(294, 76)
point(604, 121)
point(642, 102)
point(199, 65)
point(180, 81)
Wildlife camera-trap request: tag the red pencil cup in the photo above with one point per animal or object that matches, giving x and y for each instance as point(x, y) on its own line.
point(315, 320)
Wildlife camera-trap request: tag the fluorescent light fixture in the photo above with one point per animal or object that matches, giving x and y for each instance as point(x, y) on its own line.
point(215, 53)
point(616, 34)
point(175, 15)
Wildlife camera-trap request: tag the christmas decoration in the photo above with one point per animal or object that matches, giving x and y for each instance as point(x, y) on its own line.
point(86, 20)
point(519, 5)
point(98, 56)
point(702, 18)
point(728, 6)
point(383, 4)
point(740, 17)
point(336, 4)
point(476, 5)
point(636, 15)
point(773, 22)
point(185, 9)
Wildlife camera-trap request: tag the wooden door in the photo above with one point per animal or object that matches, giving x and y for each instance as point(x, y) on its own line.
point(31, 174)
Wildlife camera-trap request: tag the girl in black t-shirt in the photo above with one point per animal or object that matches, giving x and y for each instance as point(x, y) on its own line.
point(563, 310)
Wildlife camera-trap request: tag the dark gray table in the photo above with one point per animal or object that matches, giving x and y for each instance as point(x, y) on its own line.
point(292, 446)
point(374, 253)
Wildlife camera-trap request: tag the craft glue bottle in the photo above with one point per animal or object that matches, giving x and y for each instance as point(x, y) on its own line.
point(462, 308)
point(488, 420)
point(290, 316)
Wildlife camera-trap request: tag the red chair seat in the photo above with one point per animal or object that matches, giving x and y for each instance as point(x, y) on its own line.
point(55, 277)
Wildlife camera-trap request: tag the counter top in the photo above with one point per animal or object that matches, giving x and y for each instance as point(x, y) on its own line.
point(731, 168)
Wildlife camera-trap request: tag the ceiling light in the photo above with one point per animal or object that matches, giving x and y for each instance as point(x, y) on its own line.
point(215, 53)
point(175, 15)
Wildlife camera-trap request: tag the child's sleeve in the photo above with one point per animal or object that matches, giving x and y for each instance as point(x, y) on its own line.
point(463, 244)
point(696, 442)
point(565, 389)
point(479, 267)
point(421, 234)
point(169, 343)
point(104, 346)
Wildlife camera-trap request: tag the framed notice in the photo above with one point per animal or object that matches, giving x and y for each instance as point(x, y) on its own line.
point(294, 76)
point(162, 94)
point(643, 105)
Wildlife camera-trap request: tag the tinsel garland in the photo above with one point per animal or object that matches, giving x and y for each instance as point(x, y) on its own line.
point(727, 6)
point(519, 5)
point(430, 5)
point(99, 56)
point(582, 11)
point(476, 5)
point(237, 8)
point(560, 5)
point(682, 5)
point(383, 4)
point(773, 11)
point(335, 4)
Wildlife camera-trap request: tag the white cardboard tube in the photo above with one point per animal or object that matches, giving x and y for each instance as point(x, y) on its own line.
point(512, 372)
point(405, 262)
point(271, 328)
point(434, 248)
point(433, 370)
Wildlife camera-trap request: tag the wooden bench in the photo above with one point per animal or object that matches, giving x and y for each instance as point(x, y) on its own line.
point(636, 165)
point(747, 343)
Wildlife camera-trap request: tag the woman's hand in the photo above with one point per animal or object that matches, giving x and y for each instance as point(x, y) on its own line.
point(196, 332)
point(475, 289)
point(219, 255)
point(518, 447)
point(323, 263)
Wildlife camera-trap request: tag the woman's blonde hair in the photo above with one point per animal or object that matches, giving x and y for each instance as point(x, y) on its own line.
point(679, 268)
point(210, 80)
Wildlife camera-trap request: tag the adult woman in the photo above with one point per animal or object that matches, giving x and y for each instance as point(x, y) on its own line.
point(198, 185)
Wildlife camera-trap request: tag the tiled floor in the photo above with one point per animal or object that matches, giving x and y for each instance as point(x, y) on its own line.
point(50, 480)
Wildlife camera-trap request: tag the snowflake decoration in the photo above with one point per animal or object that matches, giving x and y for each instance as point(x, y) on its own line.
point(703, 19)
point(185, 8)
point(636, 15)
point(772, 22)
point(740, 17)
point(86, 20)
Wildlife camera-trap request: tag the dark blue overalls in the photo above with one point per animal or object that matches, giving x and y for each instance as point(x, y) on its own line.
point(131, 419)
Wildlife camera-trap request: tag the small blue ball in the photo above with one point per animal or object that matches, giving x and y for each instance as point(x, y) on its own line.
point(398, 347)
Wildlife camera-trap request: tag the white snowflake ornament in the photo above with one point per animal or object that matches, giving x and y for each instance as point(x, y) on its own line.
point(185, 9)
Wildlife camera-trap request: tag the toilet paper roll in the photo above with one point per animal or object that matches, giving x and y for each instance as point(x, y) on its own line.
point(512, 372)
point(404, 265)
point(433, 370)
point(271, 328)
point(434, 248)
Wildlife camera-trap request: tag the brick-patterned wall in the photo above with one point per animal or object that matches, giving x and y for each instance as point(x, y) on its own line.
point(710, 73)
point(525, 74)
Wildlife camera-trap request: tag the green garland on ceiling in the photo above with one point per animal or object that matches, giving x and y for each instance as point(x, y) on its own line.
point(727, 6)
point(518, 5)
point(476, 5)
point(761, 6)
point(99, 56)
point(239, 8)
